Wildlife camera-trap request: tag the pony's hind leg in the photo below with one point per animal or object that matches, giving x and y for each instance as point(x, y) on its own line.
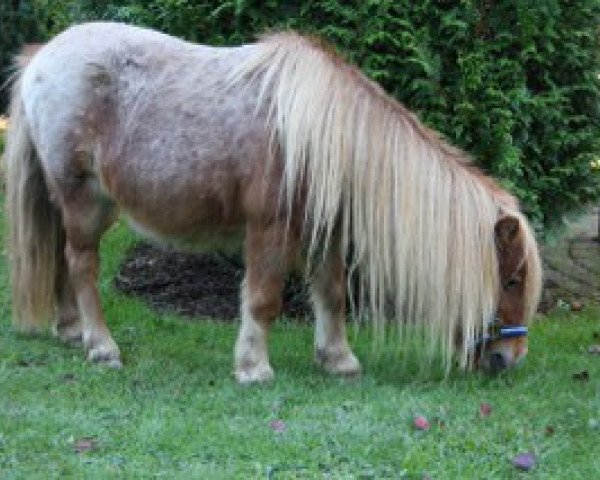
point(86, 215)
point(68, 326)
point(267, 261)
point(328, 295)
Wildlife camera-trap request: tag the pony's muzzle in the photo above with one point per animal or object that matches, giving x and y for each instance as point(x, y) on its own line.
point(503, 355)
point(496, 362)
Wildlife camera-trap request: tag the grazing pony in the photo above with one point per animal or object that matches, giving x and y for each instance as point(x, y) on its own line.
point(280, 138)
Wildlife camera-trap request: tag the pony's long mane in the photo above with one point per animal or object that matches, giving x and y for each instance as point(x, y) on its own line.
point(420, 217)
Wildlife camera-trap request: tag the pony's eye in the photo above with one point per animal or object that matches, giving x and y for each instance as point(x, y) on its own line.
point(512, 283)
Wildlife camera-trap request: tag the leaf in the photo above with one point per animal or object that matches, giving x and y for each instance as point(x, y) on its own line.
point(576, 306)
point(277, 426)
point(525, 461)
point(421, 423)
point(85, 444)
point(485, 409)
point(584, 376)
point(68, 378)
point(439, 422)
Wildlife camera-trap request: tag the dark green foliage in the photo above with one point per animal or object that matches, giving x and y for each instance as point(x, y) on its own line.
point(513, 82)
point(18, 25)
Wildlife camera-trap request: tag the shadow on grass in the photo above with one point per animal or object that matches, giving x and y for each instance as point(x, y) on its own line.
point(204, 348)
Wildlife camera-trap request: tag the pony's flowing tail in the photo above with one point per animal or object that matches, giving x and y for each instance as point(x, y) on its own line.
point(36, 239)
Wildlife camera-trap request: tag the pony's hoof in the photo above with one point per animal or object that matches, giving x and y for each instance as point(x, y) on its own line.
point(345, 365)
point(70, 334)
point(73, 339)
point(105, 356)
point(107, 360)
point(259, 373)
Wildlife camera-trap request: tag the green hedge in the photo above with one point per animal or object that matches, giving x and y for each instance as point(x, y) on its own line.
point(18, 24)
point(513, 82)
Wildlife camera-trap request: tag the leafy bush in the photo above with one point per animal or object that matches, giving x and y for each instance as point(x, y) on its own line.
point(513, 82)
point(18, 24)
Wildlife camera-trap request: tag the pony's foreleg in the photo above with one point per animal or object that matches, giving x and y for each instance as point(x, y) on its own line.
point(85, 218)
point(266, 266)
point(328, 295)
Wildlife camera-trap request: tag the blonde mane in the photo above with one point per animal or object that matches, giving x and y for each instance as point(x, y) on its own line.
point(419, 216)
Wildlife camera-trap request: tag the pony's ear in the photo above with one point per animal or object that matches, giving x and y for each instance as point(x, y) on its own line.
point(511, 246)
point(507, 231)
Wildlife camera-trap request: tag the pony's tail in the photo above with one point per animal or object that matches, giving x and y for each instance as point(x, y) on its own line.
point(36, 236)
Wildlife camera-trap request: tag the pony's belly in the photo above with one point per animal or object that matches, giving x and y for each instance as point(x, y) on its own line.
point(210, 238)
point(189, 214)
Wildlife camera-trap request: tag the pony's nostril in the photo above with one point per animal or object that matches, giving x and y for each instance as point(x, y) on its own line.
point(497, 362)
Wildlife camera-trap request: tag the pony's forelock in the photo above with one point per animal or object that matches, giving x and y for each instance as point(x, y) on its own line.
point(420, 221)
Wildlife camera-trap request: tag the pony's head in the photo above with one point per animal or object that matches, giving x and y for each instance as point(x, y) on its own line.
point(519, 272)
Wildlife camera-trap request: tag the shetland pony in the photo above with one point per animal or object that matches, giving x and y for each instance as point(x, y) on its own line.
point(281, 138)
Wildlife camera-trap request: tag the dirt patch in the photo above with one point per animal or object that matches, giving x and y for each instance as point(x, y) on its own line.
point(197, 284)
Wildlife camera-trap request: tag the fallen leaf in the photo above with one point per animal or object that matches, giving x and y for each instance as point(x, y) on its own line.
point(576, 306)
point(68, 377)
point(421, 423)
point(350, 405)
point(524, 461)
point(85, 444)
point(584, 376)
point(550, 430)
point(594, 349)
point(440, 422)
point(277, 426)
point(485, 409)
point(560, 303)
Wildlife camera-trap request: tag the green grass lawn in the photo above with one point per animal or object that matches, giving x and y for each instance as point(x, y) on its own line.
point(175, 411)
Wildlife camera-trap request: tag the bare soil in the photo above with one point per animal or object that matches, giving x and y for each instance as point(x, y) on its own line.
point(196, 284)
